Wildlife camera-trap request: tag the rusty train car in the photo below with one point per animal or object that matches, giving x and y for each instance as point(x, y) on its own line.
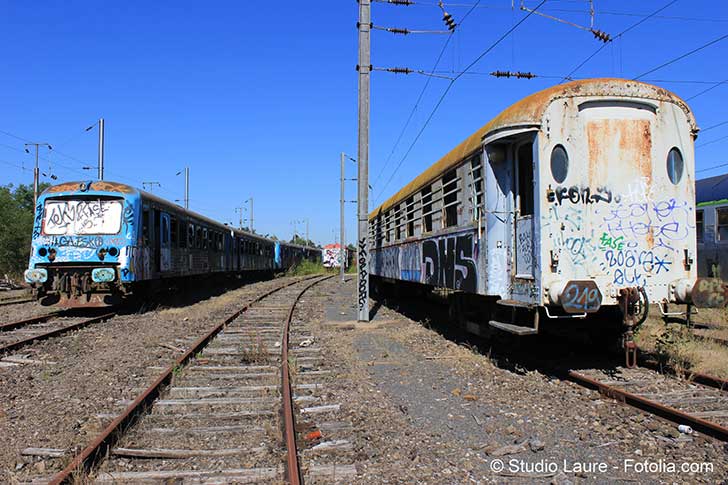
point(95, 243)
point(573, 203)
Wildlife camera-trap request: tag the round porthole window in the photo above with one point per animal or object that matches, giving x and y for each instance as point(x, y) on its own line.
point(675, 165)
point(559, 163)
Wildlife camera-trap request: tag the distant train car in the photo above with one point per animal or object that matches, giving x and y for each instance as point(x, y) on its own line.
point(711, 226)
point(96, 242)
point(288, 255)
point(576, 199)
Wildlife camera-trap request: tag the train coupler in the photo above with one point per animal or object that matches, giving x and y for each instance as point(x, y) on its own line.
point(630, 352)
point(629, 302)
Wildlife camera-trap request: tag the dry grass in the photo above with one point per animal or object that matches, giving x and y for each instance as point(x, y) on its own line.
point(254, 351)
point(678, 347)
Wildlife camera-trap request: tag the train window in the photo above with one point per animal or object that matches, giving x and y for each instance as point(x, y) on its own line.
point(722, 215)
point(426, 195)
point(397, 223)
point(675, 165)
point(198, 237)
point(145, 226)
point(410, 211)
point(204, 239)
point(173, 231)
point(165, 230)
point(450, 198)
point(191, 236)
point(182, 234)
point(699, 227)
point(559, 163)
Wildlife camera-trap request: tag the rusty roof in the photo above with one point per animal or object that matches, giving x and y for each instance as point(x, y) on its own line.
point(528, 112)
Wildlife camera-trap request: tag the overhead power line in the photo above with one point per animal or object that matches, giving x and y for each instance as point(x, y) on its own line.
point(712, 168)
point(683, 56)
point(706, 90)
point(703, 130)
point(633, 26)
point(712, 141)
point(450, 85)
point(419, 99)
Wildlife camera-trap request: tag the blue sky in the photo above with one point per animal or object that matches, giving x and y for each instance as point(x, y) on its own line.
point(259, 98)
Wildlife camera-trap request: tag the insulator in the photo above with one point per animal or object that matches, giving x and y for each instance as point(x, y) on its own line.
point(395, 30)
point(603, 36)
point(400, 70)
point(401, 2)
point(449, 21)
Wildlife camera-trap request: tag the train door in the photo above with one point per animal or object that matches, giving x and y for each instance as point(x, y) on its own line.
point(165, 248)
point(524, 211)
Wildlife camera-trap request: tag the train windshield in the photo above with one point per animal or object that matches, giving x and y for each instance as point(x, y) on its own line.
point(87, 216)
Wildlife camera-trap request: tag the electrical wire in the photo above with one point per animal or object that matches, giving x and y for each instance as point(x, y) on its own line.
point(712, 141)
point(450, 85)
point(419, 99)
point(706, 90)
point(683, 56)
point(633, 26)
point(703, 130)
point(712, 168)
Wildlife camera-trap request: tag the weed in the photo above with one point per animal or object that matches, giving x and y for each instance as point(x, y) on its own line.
point(254, 351)
point(306, 268)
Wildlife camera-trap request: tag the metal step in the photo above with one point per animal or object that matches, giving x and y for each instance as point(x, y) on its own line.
point(514, 329)
point(514, 303)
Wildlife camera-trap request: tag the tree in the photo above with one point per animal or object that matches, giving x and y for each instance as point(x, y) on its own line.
point(16, 227)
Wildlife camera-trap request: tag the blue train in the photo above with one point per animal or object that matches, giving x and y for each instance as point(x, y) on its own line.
point(97, 242)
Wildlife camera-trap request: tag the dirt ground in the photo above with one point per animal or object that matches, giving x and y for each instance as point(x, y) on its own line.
point(56, 404)
point(428, 410)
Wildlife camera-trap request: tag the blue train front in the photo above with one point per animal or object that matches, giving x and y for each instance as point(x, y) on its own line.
point(85, 236)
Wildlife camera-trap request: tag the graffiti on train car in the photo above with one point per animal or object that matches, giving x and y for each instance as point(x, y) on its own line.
point(450, 262)
point(581, 195)
point(634, 237)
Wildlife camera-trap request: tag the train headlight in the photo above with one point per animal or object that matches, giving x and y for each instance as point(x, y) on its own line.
point(103, 275)
point(113, 252)
point(51, 254)
point(42, 252)
point(38, 275)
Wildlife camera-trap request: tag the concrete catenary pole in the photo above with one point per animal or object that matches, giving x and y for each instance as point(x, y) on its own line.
point(36, 170)
point(101, 149)
point(36, 175)
point(251, 214)
point(342, 233)
point(363, 159)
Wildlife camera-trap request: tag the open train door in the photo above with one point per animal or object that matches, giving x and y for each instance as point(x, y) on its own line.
point(524, 213)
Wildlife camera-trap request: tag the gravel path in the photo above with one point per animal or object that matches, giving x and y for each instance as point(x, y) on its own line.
point(56, 404)
point(428, 410)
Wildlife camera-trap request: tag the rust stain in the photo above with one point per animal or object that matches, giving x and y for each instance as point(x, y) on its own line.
point(102, 186)
point(529, 112)
point(620, 152)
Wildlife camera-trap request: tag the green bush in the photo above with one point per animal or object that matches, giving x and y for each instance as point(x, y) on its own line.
point(16, 228)
point(307, 268)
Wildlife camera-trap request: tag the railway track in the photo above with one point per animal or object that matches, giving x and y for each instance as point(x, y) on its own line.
point(15, 301)
point(14, 335)
point(222, 412)
point(700, 402)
